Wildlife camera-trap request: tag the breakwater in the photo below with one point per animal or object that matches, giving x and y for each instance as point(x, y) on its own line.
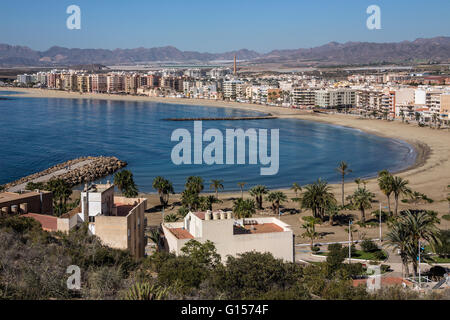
point(73, 172)
point(222, 118)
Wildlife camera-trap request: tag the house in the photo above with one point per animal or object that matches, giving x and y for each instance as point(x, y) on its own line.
point(231, 236)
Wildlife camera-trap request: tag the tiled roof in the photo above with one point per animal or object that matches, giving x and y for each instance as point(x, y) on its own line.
point(49, 223)
point(181, 233)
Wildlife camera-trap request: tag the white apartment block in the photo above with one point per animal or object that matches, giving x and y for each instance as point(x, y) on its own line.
point(231, 236)
point(335, 98)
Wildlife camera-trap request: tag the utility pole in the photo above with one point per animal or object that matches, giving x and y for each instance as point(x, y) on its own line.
point(420, 281)
point(349, 241)
point(380, 224)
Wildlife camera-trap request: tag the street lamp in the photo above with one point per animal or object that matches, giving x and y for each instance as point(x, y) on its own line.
point(349, 241)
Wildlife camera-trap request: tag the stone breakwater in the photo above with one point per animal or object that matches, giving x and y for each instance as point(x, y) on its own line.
point(75, 172)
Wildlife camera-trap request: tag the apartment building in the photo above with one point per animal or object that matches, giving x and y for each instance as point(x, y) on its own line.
point(336, 98)
point(302, 97)
point(231, 236)
point(233, 89)
point(40, 202)
point(99, 83)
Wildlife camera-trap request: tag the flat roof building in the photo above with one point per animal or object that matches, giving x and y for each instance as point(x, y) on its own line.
point(232, 236)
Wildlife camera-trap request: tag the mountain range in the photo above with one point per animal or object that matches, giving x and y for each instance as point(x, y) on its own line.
point(420, 50)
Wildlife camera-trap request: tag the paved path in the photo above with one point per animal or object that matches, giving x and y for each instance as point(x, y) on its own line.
point(49, 176)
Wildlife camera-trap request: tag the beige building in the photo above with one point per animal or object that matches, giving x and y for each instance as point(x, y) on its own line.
point(232, 236)
point(118, 221)
point(39, 202)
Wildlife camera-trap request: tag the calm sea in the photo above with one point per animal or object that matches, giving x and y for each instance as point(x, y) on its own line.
point(38, 133)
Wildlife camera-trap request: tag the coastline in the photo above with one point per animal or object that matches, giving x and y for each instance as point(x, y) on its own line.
point(432, 147)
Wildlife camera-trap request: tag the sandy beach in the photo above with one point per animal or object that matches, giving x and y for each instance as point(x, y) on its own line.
point(430, 174)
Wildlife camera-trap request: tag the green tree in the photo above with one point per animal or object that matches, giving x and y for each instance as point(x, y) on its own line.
point(276, 197)
point(318, 197)
point(61, 194)
point(343, 170)
point(362, 200)
point(385, 182)
point(296, 188)
point(206, 203)
point(125, 183)
point(164, 188)
point(216, 185)
point(194, 184)
point(244, 208)
point(258, 192)
point(398, 238)
point(204, 254)
point(310, 231)
point(399, 187)
point(241, 186)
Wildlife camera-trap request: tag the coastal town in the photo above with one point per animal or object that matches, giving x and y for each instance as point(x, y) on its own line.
point(217, 159)
point(420, 95)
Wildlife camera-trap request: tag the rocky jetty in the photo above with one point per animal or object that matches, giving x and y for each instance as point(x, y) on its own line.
point(77, 171)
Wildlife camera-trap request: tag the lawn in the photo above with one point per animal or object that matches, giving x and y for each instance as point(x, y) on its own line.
point(359, 254)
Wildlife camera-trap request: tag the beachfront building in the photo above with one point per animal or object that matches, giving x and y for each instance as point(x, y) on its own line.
point(231, 236)
point(303, 97)
point(335, 98)
point(232, 89)
point(119, 222)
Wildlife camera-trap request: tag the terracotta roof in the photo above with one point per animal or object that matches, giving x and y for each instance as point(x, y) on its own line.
point(257, 228)
point(49, 223)
point(181, 233)
point(200, 215)
point(71, 213)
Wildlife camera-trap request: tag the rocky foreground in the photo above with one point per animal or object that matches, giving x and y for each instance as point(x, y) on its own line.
point(75, 172)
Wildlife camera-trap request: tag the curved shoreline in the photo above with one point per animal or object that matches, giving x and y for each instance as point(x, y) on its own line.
point(432, 147)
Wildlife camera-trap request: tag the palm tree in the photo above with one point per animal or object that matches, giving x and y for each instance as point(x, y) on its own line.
point(258, 192)
point(318, 198)
point(216, 185)
point(399, 187)
point(164, 188)
point(297, 188)
point(398, 238)
point(244, 208)
point(276, 197)
point(343, 170)
point(362, 200)
point(171, 218)
point(310, 231)
point(194, 184)
point(242, 185)
point(420, 225)
point(332, 211)
point(155, 236)
point(206, 203)
point(125, 183)
point(385, 184)
point(61, 193)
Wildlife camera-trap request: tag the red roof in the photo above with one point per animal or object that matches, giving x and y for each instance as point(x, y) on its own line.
point(49, 223)
point(181, 233)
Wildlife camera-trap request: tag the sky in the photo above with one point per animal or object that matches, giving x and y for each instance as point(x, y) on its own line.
point(217, 26)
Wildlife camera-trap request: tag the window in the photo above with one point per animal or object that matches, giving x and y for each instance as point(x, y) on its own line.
point(129, 233)
point(91, 219)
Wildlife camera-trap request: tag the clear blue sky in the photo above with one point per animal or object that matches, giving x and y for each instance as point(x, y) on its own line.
point(217, 26)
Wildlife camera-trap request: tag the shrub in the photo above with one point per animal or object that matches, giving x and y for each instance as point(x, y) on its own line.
point(446, 217)
point(379, 255)
point(369, 246)
point(385, 268)
point(315, 249)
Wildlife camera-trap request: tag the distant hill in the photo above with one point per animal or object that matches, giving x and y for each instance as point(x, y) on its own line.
point(434, 49)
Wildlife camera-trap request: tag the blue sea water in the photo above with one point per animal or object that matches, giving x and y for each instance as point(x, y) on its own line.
point(38, 133)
